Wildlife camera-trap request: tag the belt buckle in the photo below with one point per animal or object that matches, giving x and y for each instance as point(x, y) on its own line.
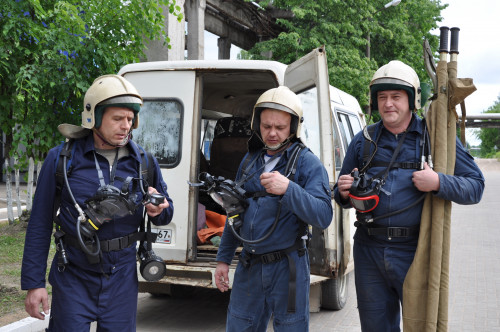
point(271, 257)
point(124, 242)
point(245, 261)
point(397, 232)
point(113, 244)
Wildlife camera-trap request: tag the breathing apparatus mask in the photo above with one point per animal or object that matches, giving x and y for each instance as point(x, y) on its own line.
point(364, 194)
point(230, 196)
point(226, 193)
point(110, 202)
point(107, 203)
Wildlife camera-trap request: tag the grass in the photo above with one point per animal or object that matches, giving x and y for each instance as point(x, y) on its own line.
point(11, 255)
point(11, 247)
point(11, 300)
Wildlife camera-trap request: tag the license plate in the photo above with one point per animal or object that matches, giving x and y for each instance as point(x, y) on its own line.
point(164, 235)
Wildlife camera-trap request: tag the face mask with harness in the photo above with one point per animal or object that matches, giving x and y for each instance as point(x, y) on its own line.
point(108, 202)
point(364, 194)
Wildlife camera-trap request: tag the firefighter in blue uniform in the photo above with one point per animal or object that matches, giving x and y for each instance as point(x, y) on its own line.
point(272, 260)
point(386, 183)
point(101, 286)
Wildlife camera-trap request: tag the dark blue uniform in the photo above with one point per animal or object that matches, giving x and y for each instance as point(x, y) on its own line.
point(381, 263)
point(262, 289)
point(85, 292)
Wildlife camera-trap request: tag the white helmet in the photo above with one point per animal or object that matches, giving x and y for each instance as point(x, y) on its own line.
point(396, 76)
point(282, 99)
point(107, 90)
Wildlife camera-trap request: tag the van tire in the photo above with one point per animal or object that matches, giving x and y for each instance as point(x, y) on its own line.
point(334, 293)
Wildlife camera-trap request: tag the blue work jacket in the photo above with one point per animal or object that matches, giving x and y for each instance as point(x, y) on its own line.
point(308, 197)
point(465, 186)
point(84, 182)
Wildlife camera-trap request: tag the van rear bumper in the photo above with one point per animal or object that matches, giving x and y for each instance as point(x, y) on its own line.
point(187, 275)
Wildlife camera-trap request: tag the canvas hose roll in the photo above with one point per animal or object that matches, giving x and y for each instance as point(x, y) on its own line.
point(426, 287)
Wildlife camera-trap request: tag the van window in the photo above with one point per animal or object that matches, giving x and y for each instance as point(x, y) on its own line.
point(336, 143)
point(349, 126)
point(207, 136)
point(355, 124)
point(160, 129)
point(310, 127)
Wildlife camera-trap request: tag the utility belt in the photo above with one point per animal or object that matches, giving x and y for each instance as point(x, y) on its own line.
point(115, 244)
point(247, 260)
point(390, 232)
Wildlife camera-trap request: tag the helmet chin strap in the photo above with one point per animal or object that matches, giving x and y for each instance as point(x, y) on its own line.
point(279, 146)
point(125, 141)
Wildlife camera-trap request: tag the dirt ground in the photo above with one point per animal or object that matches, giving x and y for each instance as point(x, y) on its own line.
point(11, 284)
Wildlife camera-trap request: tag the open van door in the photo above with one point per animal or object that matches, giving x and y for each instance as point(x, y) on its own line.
point(311, 71)
point(308, 77)
point(169, 106)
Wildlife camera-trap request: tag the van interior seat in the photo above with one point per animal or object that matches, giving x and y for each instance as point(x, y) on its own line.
point(229, 146)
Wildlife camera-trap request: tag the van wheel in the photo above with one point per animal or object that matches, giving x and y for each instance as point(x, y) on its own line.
point(334, 293)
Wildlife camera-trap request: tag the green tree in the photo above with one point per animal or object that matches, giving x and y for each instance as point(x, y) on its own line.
point(490, 137)
point(395, 33)
point(52, 50)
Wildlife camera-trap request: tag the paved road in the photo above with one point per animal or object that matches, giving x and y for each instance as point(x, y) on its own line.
point(474, 301)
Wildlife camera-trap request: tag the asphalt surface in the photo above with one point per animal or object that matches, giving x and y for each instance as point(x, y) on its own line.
point(474, 300)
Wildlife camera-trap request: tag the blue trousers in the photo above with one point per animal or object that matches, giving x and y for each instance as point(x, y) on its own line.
point(262, 290)
point(80, 297)
point(379, 277)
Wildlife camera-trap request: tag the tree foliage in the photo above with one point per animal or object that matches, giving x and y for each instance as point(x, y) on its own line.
point(343, 26)
point(50, 53)
point(490, 137)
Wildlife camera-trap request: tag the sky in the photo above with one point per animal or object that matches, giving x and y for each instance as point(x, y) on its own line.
point(479, 50)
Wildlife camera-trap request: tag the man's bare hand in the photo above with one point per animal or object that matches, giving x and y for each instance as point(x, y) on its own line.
point(34, 298)
point(221, 276)
point(426, 180)
point(344, 184)
point(274, 183)
point(154, 210)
